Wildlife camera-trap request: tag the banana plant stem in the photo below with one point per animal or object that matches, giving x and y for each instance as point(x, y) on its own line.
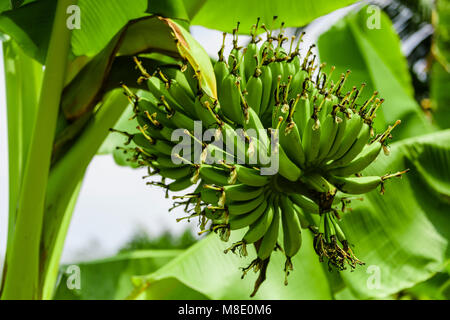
point(22, 274)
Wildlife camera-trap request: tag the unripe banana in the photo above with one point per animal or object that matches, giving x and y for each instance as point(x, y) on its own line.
point(292, 239)
point(204, 112)
point(270, 106)
point(353, 127)
point(362, 161)
point(356, 185)
point(214, 175)
point(221, 72)
point(266, 78)
point(255, 90)
point(305, 203)
point(176, 173)
point(270, 238)
point(230, 100)
point(311, 140)
point(328, 134)
point(354, 150)
point(259, 228)
point(180, 78)
point(182, 97)
point(244, 220)
point(291, 142)
point(242, 207)
point(249, 176)
point(159, 89)
point(180, 184)
point(241, 192)
point(210, 196)
point(302, 114)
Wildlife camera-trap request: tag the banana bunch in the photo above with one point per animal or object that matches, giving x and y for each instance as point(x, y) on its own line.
point(273, 106)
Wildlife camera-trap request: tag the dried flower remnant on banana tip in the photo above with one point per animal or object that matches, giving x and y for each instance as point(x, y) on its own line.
point(272, 104)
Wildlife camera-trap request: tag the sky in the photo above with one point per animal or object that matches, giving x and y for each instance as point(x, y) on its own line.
point(114, 202)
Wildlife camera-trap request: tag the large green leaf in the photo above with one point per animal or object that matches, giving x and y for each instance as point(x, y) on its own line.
point(363, 51)
point(111, 278)
point(435, 288)
point(223, 15)
point(205, 268)
point(30, 24)
point(403, 235)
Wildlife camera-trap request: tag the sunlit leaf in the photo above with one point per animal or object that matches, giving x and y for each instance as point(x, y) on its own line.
point(224, 15)
point(110, 278)
point(205, 268)
point(402, 235)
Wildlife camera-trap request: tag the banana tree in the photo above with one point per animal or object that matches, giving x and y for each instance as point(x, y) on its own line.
point(65, 92)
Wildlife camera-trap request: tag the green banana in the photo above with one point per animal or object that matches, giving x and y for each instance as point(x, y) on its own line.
point(213, 154)
point(286, 167)
point(302, 114)
point(214, 214)
point(328, 134)
point(362, 161)
point(339, 233)
point(354, 150)
point(210, 196)
point(163, 161)
point(180, 77)
point(249, 176)
point(156, 112)
point(305, 203)
point(356, 185)
point(269, 240)
point(159, 89)
point(242, 207)
point(152, 145)
point(204, 112)
point(292, 239)
point(191, 78)
point(254, 90)
point(251, 55)
point(318, 183)
point(241, 192)
point(244, 220)
point(353, 127)
point(259, 228)
point(180, 184)
point(231, 100)
point(176, 173)
point(182, 97)
point(266, 78)
point(297, 83)
point(291, 142)
point(253, 123)
point(311, 140)
point(214, 175)
point(329, 228)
